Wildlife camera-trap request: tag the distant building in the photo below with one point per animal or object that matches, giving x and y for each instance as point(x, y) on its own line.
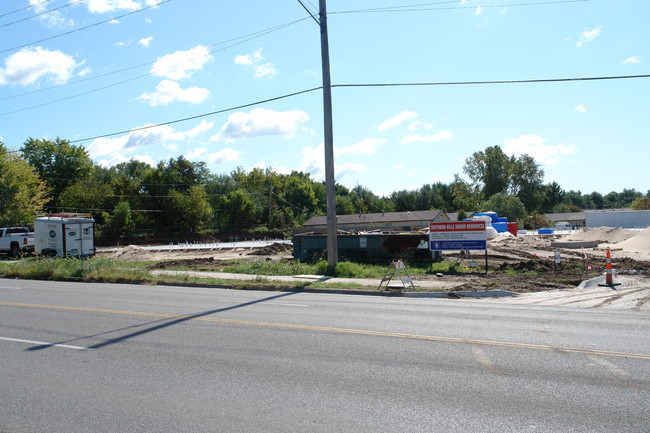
point(575, 220)
point(623, 218)
point(399, 221)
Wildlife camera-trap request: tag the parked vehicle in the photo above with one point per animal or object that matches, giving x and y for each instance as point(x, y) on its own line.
point(16, 240)
point(65, 235)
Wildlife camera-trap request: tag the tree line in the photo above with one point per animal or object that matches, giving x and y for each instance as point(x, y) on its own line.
point(179, 196)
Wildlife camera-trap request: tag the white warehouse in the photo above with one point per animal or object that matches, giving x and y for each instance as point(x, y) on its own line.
point(623, 218)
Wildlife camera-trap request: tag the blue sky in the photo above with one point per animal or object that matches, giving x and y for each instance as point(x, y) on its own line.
point(82, 69)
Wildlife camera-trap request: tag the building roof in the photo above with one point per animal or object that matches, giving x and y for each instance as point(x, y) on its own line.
point(567, 216)
point(386, 217)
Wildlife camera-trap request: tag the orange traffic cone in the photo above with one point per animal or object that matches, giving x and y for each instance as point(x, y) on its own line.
point(609, 279)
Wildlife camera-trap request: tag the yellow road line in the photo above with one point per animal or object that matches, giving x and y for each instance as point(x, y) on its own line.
point(340, 330)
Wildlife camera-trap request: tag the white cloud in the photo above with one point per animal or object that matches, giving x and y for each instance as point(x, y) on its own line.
point(28, 65)
point(145, 42)
point(261, 122)
point(137, 139)
point(581, 108)
point(417, 138)
point(249, 59)
point(398, 167)
point(632, 60)
point(168, 91)
point(224, 155)
point(419, 124)
point(348, 169)
point(266, 70)
point(181, 64)
point(195, 153)
point(53, 19)
point(479, 10)
point(366, 146)
point(588, 36)
point(396, 120)
point(254, 61)
point(313, 161)
point(103, 6)
point(536, 147)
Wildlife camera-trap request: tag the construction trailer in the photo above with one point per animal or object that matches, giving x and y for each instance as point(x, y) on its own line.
point(65, 235)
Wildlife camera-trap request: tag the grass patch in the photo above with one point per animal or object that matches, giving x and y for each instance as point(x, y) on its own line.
point(97, 269)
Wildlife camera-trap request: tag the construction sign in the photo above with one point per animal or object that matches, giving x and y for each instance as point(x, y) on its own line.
point(458, 235)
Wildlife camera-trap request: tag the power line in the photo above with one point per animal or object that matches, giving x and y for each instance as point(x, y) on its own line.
point(25, 8)
point(466, 83)
point(200, 115)
point(239, 40)
point(42, 13)
point(416, 8)
point(448, 83)
point(86, 27)
point(309, 11)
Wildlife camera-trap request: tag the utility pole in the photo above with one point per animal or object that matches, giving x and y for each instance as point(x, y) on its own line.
point(270, 200)
point(332, 247)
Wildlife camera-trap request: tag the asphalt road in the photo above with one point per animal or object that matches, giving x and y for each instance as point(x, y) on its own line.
point(81, 357)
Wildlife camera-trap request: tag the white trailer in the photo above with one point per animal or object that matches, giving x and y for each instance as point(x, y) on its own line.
point(64, 235)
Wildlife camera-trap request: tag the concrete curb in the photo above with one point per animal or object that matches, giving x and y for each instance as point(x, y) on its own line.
point(593, 282)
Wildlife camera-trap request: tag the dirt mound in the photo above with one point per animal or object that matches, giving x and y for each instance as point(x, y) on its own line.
point(274, 248)
point(639, 242)
point(521, 241)
point(131, 252)
point(608, 235)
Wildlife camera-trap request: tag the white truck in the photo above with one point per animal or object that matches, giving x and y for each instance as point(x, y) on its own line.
point(65, 235)
point(16, 240)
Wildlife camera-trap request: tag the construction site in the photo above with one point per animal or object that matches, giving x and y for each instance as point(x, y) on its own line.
point(537, 268)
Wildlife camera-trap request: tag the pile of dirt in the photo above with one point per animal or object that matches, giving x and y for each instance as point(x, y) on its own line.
point(640, 242)
point(603, 235)
point(535, 242)
point(274, 248)
point(132, 252)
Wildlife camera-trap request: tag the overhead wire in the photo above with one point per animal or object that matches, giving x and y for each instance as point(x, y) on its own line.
point(185, 119)
point(240, 40)
point(309, 12)
point(85, 27)
point(289, 95)
point(42, 13)
point(24, 8)
point(416, 8)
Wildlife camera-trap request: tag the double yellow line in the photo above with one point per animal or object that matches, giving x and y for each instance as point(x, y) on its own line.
point(339, 330)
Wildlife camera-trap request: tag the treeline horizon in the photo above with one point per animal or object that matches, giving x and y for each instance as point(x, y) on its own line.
point(179, 196)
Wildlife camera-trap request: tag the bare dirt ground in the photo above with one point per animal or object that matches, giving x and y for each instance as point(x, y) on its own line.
point(524, 264)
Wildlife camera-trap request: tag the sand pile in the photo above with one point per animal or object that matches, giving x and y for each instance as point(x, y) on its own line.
point(640, 242)
point(608, 235)
point(504, 240)
point(132, 252)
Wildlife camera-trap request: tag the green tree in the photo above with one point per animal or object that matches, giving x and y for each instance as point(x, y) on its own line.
point(491, 169)
point(22, 193)
point(58, 163)
point(85, 197)
point(526, 181)
point(238, 210)
point(537, 221)
point(641, 203)
point(189, 212)
point(505, 205)
point(119, 223)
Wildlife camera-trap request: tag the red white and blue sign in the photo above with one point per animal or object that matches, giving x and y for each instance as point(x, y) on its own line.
point(457, 235)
